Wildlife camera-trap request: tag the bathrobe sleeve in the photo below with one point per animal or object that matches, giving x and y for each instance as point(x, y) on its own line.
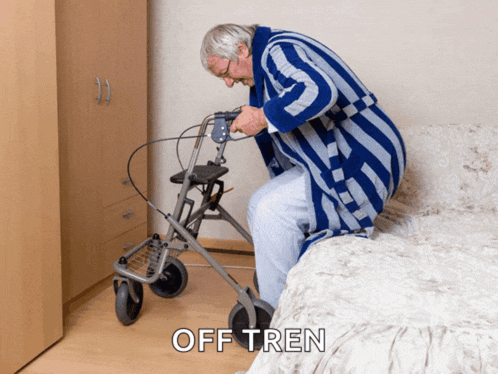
point(298, 89)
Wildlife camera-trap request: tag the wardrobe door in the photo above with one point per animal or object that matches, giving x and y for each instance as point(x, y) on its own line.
point(80, 98)
point(124, 128)
point(30, 250)
point(124, 115)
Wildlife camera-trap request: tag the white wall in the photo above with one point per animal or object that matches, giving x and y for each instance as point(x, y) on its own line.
point(427, 61)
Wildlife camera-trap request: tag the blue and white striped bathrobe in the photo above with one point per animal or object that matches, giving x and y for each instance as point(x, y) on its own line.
point(323, 118)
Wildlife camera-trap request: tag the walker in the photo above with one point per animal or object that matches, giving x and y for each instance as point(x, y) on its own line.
point(155, 261)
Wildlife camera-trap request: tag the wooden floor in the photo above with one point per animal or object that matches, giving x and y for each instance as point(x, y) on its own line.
point(95, 342)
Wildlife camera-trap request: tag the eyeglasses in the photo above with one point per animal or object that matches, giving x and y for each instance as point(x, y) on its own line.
point(226, 73)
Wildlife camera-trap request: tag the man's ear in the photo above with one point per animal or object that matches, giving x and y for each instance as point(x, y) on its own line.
point(243, 50)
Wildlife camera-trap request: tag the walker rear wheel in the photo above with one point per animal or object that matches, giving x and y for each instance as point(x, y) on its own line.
point(172, 281)
point(238, 320)
point(126, 309)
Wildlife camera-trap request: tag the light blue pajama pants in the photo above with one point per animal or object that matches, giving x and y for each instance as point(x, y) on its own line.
point(278, 217)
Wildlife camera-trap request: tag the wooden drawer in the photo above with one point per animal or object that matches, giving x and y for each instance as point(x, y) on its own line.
point(120, 245)
point(110, 252)
point(123, 217)
point(116, 185)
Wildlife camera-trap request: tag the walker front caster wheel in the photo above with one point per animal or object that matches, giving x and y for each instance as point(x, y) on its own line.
point(238, 320)
point(172, 281)
point(126, 309)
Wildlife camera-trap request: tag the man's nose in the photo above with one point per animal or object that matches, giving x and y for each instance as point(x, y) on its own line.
point(229, 82)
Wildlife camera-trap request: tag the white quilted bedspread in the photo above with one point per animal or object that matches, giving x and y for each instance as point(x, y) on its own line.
point(423, 300)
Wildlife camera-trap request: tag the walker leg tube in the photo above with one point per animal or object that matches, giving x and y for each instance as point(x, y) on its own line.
point(227, 217)
point(245, 294)
point(194, 243)
point(186, 183)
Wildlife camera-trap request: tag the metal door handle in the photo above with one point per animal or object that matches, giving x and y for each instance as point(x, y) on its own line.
point(100, 90)
point(108, 91)
point(128, 213)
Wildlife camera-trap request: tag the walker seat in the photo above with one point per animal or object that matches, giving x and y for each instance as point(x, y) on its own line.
point(202, 174)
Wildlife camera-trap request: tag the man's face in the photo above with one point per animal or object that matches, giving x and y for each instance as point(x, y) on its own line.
point(234, 72)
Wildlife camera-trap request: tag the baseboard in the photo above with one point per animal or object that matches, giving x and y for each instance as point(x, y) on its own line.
point(227, 245)
point(224, 245)
point(86, 295)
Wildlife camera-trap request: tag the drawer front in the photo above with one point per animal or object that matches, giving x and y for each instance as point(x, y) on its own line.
point(110, 252)
point(124, 216)
point(122, 244)
point(116, 185)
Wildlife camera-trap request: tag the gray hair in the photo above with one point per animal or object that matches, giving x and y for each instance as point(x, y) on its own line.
point(221, 41)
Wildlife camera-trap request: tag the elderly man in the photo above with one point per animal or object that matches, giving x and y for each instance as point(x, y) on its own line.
point(334, 156)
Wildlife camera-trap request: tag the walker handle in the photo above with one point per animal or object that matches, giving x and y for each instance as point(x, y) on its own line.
point(230, 116)
point(221, 130)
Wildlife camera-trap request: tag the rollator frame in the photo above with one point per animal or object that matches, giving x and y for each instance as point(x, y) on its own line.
point(182, 234)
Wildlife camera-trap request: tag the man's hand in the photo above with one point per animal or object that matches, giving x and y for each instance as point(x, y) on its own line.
point(250, 121)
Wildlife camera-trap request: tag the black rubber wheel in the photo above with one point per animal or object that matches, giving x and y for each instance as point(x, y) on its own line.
point(126, 309)
point(173, 281)
point(255, 281)
point(238, 320)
